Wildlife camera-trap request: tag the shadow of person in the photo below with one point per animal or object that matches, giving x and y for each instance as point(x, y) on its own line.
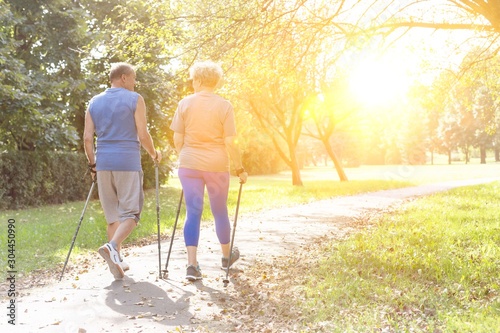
point(219, 294)
point(142, 299)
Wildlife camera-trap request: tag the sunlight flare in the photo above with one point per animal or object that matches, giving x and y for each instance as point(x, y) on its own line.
point(376, 82)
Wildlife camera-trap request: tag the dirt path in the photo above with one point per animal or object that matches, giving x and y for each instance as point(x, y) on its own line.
point(273, 244)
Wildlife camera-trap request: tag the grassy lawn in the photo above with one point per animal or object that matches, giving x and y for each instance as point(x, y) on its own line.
point(432, 266)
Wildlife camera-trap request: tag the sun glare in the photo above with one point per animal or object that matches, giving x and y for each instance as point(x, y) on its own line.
point(379, 82)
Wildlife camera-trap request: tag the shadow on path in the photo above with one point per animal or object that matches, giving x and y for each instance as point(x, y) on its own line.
point(138, 300)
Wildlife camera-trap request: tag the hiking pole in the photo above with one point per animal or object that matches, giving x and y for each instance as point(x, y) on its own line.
point(226, 280)
point(78, 227)
point(165, 271)
point(158, 216)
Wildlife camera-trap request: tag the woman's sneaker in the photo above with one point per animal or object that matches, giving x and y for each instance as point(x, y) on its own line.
point(193, 273)
point(112, 257)
point(234, 256)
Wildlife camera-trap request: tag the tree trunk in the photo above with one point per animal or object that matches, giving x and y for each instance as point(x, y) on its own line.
point(483, 154)
point(497, 155)
point(294, 165)
point(336, 162)
point(449, 157)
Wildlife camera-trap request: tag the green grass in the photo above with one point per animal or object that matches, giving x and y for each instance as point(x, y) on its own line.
point(44, 234)
point(433, 266)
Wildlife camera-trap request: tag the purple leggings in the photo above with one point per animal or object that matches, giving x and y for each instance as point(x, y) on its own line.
point(193, 184)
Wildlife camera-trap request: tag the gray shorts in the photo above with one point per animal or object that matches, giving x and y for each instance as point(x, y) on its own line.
point(121, 195)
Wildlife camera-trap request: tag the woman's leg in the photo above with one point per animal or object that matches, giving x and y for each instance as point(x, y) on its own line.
point(218, 188)
point(193, 186)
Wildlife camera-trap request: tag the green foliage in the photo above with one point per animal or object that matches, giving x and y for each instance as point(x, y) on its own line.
point(37, 178)
point(148, 167)
point(41, 178)
point(42, 83)
point(430, 266)
point(139, 32)
point(259, 157)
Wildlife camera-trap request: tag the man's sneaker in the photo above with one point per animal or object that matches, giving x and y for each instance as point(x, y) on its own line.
point(112, 257)
point(193, 273)
point(234, 256)
point(124, 265)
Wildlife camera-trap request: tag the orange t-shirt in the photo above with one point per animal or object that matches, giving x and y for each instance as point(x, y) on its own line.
point(205, 119)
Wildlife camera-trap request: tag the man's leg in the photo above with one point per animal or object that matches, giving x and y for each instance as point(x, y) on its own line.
point(112, 227)
point(124, 199)
point(123, 230)
point(130, 201)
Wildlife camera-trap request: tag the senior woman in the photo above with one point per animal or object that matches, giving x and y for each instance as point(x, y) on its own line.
point(205, 140)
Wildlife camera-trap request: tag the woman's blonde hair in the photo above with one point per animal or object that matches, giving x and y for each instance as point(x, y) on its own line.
point(208, 72)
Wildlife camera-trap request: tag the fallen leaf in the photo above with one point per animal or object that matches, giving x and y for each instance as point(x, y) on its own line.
point(144, 314)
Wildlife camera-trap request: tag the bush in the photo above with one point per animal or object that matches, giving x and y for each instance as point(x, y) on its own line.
point(148, 167)
point(38, 178)
point(41, 178)
point(262, 161)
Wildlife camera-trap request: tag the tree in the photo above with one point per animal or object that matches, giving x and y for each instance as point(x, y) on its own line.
point(277, 106)
point(278, 90)
point(324, 112)
point(14, 80)
point(471, 108)
point(270, 50)
point(483, 106)
point(42, 78)
point(480, 15)
point(429, 103)
point(137, 32)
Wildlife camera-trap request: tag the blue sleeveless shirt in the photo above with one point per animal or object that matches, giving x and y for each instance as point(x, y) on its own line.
point(118, 146)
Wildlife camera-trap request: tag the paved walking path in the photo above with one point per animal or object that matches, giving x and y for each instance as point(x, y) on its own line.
point(88, 300)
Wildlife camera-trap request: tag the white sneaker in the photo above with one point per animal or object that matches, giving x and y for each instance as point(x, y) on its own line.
point(124, 265)
point(112, 257)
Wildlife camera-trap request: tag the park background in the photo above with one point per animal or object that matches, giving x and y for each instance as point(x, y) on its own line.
point(312, 82)
point(332, 98)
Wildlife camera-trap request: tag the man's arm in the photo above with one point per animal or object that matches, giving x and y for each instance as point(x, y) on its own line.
point(142, 130)
point(88, 138)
